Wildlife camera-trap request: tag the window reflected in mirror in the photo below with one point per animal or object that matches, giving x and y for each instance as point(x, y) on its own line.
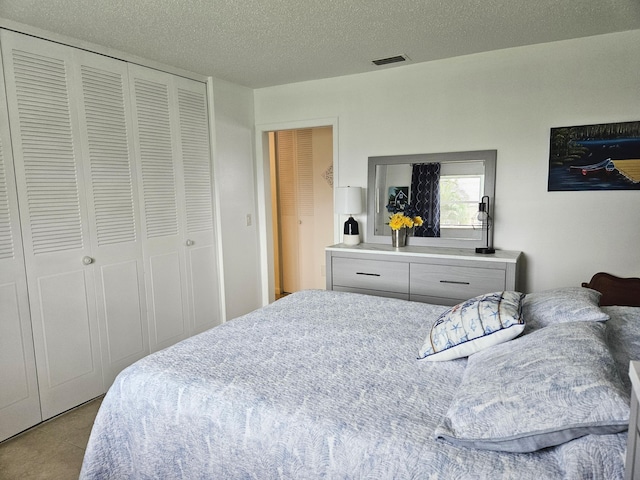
point(459, 198)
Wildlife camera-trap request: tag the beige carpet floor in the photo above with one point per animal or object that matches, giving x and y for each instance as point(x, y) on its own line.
point(52, 450)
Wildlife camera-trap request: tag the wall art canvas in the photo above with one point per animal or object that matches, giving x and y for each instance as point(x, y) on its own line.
point(398, 197)
point(604, 156)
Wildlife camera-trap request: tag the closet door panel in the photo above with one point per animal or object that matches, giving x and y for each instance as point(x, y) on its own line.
point(296, 202)
point(166, 299)
point(65, 328)
point(158, 167)
point(287, 204)
point(305, 208)
point(112, 198)
point(201, 262)
point(19, 399)
point(204, 284)
point(125, 338)
point(49, 172)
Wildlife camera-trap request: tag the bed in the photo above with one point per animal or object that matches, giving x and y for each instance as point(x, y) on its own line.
point(326, 384)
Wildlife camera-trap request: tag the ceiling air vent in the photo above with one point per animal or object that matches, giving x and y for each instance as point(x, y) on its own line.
point(388, 60)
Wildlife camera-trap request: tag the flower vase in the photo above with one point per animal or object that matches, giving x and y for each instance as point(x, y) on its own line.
point(399, 237)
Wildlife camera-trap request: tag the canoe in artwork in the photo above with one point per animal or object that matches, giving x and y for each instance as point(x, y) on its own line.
point(606, 165)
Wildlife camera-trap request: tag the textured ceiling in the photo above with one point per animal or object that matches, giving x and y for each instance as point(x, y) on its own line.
point(260, 43)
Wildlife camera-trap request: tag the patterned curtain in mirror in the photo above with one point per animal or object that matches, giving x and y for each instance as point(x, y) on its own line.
point(425, 198)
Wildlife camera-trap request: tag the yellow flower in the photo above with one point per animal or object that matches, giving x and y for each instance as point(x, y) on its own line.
point(400, 220)
point(396, 222)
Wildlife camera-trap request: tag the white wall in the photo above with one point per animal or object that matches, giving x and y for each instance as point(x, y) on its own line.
point(235, 184)
point(505, 100)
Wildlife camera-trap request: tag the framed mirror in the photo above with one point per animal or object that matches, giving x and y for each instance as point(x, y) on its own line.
point(443, 188)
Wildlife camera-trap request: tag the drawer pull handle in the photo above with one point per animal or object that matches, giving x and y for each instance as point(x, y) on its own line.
point(368, 274)
point(453, 281)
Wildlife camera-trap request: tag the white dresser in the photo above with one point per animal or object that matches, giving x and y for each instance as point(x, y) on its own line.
point(444, 276)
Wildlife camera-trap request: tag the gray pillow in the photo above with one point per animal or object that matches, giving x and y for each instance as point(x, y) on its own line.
point(570, 304)
point(540, 390)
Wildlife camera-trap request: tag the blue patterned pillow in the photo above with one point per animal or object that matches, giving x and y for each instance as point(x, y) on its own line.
point(540, 390)
point(474, 325)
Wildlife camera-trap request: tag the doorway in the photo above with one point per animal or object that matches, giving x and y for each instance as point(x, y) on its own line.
point(301, 175)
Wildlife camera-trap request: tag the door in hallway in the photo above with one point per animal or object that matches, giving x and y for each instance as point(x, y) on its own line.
point(304, 207)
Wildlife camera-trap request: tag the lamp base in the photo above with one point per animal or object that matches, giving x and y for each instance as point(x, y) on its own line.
point(351, 239)
point(485, 250)
point(351, 232)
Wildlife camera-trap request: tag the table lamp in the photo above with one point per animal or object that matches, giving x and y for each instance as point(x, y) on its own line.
point(349, 202)
point(485, 217)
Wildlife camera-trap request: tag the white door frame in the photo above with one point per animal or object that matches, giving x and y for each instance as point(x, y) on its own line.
point(263, 193)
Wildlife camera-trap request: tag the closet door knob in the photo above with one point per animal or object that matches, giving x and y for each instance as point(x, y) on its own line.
point(87, 260)
point(188, 243)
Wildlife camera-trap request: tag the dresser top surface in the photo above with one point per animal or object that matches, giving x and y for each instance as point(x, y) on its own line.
point(508, 256)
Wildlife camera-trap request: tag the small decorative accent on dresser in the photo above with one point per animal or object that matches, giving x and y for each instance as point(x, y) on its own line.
point(484, 216)
point(399, 238)
point(349, 202)
point(403, 219)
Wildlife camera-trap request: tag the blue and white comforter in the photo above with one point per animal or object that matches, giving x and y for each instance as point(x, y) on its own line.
point(320, 384)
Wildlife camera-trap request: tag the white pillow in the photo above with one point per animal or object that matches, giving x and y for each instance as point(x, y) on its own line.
point(474, 325)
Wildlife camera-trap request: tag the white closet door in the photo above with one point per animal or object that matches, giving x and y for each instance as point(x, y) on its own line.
point(158, 168)
point(112, 199)
point(19, 399)
point(44, 128)
point(197, 211)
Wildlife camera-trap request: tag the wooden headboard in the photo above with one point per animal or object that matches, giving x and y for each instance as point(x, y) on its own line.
point(616, 290)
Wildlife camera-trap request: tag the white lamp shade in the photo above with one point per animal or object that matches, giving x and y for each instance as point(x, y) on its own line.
point(348, 200)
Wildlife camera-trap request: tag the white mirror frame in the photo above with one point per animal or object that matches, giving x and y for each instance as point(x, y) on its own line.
point(489, 158)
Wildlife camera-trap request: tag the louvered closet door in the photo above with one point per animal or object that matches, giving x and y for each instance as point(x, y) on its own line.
point(19, 399)
point(112, 199)
point(306, 214)
point(295, 193)
point(49, 173)
point(158, 170)
point(287, 204)
point(197, 208)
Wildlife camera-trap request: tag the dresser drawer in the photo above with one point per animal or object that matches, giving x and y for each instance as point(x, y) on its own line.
point(371, 274)
point(454, 282)
point(377, 293)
